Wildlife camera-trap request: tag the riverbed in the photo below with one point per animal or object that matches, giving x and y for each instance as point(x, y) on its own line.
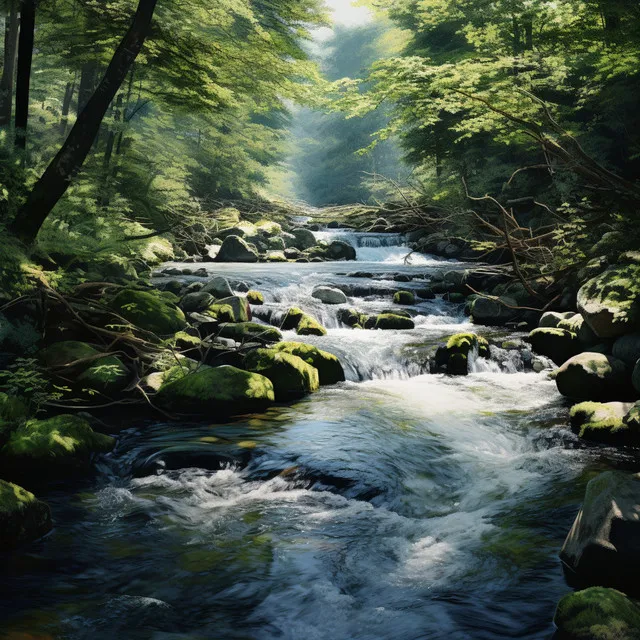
point(397, 505)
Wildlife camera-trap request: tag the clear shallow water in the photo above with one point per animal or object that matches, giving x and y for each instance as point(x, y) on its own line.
point(396, 505)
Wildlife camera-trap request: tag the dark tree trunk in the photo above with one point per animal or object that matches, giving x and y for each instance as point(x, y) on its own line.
point(23, 81)
point(9, 68)
point(517, 37)
point(66, 106)
point(58, 175)
point(87, 84)
point(127, 104)
point(528, 34)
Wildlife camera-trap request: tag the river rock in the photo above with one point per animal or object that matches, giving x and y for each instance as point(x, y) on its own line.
point(627, 348)
point(577, 324)
point(217, 392)
point(233, 309)
point(39, 448)
point(23, 518)
point(388, 321)
point(490, 312)
point(604, 423)
point(106, 374)
point(309, 326)
point(235, 249)
point(218, 287)
point(597, 613)
point(557, 344)
point(454, 356)
point(610, 302)
point(269, 228)
point(275, 256)
point(351, 317)
point(635, 378)
point(173, 286)
point(303, 239)
point(199, 301)
point(339, 250)
point(404, 298)
point(594, 376)
point(603, 546)
point(255, 298)
point(291, 376)
point(292, 253)
point(149, 311)
point(330, 370)
point(249, 331)
point(329, 295)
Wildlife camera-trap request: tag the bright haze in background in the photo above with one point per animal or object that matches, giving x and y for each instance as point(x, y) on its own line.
point(344, 15)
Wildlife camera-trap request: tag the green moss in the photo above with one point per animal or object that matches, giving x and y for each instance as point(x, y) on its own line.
point(388, 321)
point(330, 370)
point(555, 343)
point(247, 331)
point(598, 614)
point(56, 440)
point(217, 392)
point(292, 319)
point(255, 298)
point(107, 375)
point(23, 517)
point(309, 326)
point(291, 376)
point(221, 313)
point(149, 311)
point(600, 422)
point(404, 297)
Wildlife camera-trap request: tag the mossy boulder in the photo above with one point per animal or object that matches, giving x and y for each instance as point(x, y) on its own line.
point(217, 393)
point(605, 423)
point(232, 309)
point(454, 356)
point(218, 287)
point(291, 376)
point(13, 410)
point(632, 418)
point(309, 326)
point(23, 518)
point(83, 365)
point(578, 325)
point(610, 302)
point(249, 331)
point(196, 301)
point(404, 298)
point(330, 370)
point(351, 317)
point(603, 546)
point(388, 321)
point(594, 376)
point(490, 312)
point(302, 239)
point(597, 613)
point(62, 443)
point(255, 298)
point(557, 344)
point(236, 249)
point(149, 311)
point(551, 319)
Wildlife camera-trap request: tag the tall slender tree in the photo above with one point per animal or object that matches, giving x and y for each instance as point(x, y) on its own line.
point(25, 58)
point(9, 66)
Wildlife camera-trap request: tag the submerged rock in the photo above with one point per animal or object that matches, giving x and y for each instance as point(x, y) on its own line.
point(603, 546)
point(604, 422)
point(557, 344)
point(330, 370)
point(217, 392)
point(610, 302)
point(235, 249)
point(23, 518)
point(594, 376)
point(291, 376)
point(149, 311)
point(329, 295)
point(597, 614)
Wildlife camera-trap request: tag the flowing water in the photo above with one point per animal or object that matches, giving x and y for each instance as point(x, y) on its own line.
point(397, 505)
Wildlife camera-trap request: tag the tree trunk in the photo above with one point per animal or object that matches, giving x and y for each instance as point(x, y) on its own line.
point(25, 56)
point(528, 34)
point(56, 179)
point(66, 106)
point(87, 84)
point(9, 68)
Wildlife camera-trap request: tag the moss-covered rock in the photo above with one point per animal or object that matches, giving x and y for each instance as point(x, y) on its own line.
point(351, 317)
point(255, 298)
point(557, 344)
point(584, 333)
point(388, 321)
point(486, 311)
point(232, 309)
point(13, 410)
point(632, 418)
point(291, 376)
point(81, 363)
point(605, 423)
point(149, 311)
point(309, 326)
point(551, 319)
point(217, 392)
point(235, 249)
point(196, 301)
point(61, 443)
point(330, 370)
point(454, 356)
point(594, 376)
point(602, 547)
point(597, 614)
point(404, 297)
point(610, 302)
point(250, 331)
point(23, 518)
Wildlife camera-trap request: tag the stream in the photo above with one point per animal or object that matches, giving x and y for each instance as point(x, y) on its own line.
point(399, 505)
